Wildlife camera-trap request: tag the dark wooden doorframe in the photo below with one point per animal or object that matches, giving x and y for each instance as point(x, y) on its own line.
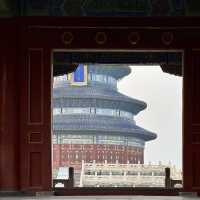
point(79, 58)
point(39, 35)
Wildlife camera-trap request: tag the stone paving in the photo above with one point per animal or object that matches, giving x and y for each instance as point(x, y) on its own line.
point(102, 198)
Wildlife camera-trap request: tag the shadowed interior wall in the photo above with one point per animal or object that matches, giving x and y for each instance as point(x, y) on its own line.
point(9, 124)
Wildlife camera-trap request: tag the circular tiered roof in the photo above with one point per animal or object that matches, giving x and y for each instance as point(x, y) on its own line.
point(117, 71)
point(96, 97)
point(94, 124)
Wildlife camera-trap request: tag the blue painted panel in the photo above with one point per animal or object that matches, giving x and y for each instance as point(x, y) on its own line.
point(79, 74)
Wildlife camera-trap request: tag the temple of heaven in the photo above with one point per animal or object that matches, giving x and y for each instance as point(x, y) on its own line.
point(93, 122)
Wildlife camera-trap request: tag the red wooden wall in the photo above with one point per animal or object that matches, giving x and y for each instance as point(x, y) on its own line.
point(191, 126)
point(9, 106)
point(25, 85)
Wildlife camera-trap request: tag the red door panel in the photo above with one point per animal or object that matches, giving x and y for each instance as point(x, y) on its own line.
point(35, 116)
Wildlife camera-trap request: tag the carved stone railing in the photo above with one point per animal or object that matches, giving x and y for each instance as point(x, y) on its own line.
point(169, 182)
point(97, 174)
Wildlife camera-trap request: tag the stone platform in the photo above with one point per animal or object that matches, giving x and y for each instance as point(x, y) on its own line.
point(103, 198)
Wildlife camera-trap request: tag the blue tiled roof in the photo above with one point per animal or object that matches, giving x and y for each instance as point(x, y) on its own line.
point(65, 96)
point(117, 71)
point(106, 124)
point(99, 96)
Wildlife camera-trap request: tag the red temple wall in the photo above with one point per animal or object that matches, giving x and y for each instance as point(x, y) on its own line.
point(73, 154)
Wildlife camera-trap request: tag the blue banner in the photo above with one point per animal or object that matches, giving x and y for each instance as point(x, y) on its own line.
point(79, 74)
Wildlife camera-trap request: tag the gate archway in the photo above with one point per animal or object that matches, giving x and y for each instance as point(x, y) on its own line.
point(39, 36)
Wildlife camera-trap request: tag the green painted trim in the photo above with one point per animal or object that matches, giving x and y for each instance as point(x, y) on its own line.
point(7, 8)
point(193, 8)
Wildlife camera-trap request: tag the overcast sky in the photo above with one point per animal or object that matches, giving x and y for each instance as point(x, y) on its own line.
point(163, 94)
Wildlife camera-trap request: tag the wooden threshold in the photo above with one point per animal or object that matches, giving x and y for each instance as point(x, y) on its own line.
point(85, 191)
